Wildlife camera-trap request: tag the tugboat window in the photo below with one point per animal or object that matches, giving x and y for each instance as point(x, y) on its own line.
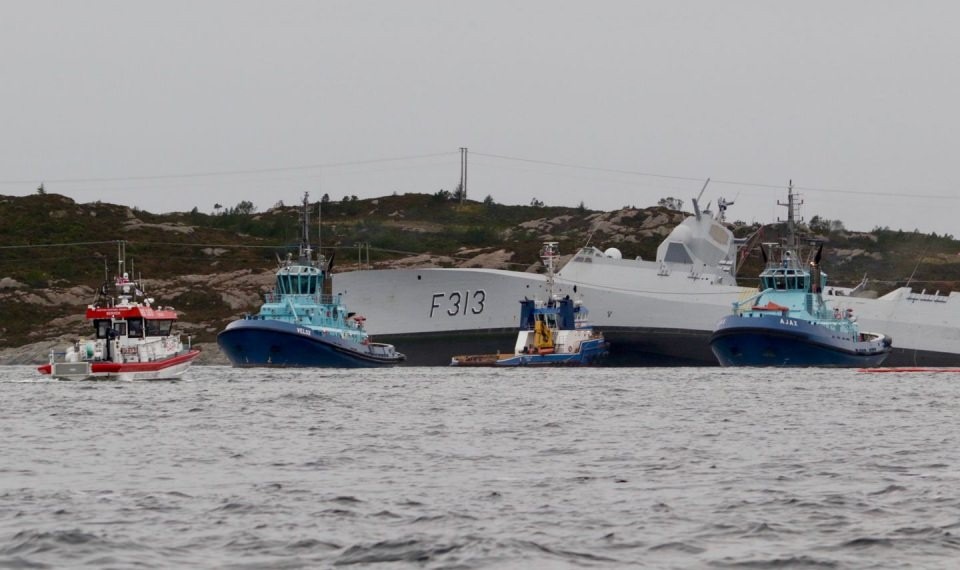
point(135, 327)
point(101, 326)
point(158, 327)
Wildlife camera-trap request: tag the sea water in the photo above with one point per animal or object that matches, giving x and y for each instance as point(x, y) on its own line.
point(482, 468)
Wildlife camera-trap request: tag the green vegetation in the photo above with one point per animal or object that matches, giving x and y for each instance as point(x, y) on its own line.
point(234, 238)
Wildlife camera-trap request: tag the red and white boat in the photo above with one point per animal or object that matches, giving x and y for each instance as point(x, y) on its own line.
point(133, 340)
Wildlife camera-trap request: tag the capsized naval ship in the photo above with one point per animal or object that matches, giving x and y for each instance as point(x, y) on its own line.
point(653, 313)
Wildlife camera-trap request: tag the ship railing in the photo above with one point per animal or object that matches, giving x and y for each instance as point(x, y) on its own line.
point(928, 297)
point(80, 351)
point(152, 349)
point(321, 299)
point(743, 305)
point(382, 349)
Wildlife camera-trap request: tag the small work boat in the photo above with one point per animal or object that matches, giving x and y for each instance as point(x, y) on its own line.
point(552, 332)
point(133, 340)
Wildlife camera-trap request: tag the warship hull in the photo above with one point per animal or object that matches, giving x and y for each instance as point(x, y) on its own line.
point(650, 317)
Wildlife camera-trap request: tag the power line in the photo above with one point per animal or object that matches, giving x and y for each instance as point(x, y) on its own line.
point(30, 246)
point(715, 181)
point(227, 172)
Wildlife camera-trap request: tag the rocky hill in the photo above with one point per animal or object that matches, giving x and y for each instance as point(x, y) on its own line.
point(54, 252)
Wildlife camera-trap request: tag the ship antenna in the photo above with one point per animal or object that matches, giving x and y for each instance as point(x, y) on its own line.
point(696, 201)
point(305, 251)
point(793, 215)
point(121, 254)
point(549, 255)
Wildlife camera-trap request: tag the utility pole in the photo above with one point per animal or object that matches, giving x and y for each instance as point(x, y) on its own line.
point(463, 174)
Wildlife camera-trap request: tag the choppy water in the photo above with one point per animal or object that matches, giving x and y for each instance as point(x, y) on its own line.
point(440, 468)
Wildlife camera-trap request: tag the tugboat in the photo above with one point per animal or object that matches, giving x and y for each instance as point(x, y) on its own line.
point(555, 332)
point(300, 326)
point(788, 322)
point(133, 340)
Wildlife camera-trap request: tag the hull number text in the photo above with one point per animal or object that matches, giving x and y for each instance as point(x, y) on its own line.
point(458, 303)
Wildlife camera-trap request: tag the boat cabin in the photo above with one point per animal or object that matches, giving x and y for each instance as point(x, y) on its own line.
point(785, 279)
point(133, 327)
point(299, 280)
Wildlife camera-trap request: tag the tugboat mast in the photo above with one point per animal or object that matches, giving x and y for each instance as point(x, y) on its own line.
point(792, 204)
point(305, 251)
point(549, 254)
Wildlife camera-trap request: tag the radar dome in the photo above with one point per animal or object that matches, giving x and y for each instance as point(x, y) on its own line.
point(613, 253)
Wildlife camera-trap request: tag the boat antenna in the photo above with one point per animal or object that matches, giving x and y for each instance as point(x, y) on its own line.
point(590, 237)
point(915, 268)
point(792, 204)
point(696, 204)
point(305, 251)
point(121, 254)
point(549, 254)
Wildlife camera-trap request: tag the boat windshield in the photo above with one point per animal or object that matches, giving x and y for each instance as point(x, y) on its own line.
point(785, 280)
point(101, 326)
point(135, 328)
point(157, 327)
point(307, 283)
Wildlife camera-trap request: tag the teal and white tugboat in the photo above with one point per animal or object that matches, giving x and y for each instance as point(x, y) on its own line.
point(300, 326)
point(553, 332)
point(789, 323)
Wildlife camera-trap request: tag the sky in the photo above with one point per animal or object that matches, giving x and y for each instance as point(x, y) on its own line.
point(179, 104)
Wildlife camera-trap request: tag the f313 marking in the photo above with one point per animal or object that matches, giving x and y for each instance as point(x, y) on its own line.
point(457, 303)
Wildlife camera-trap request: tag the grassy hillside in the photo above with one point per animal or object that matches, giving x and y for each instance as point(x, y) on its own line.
point(213, 267)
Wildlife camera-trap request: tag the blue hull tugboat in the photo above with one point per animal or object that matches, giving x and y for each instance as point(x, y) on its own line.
point(300, 326)
point(555, 332)
point(788, 322)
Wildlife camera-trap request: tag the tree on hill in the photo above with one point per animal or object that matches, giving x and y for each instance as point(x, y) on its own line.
point(244, 207)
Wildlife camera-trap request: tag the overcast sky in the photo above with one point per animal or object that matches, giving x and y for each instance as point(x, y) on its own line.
point(170, 105)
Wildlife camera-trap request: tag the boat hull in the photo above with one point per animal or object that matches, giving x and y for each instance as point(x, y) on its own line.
point(771, 340)
point(591, 353)
point(648, 317)
point(167, 369)
point(264, 343)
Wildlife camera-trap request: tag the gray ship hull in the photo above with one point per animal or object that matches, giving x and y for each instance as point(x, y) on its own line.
point(628, 347)
point(658, 313)
point(662, 319)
